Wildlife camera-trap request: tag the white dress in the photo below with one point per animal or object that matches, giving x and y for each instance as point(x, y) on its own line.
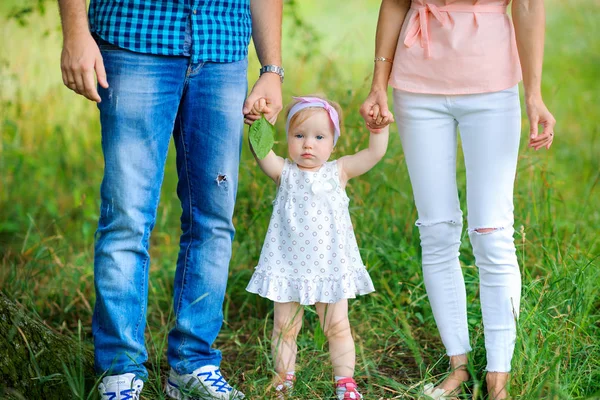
point(310, 253)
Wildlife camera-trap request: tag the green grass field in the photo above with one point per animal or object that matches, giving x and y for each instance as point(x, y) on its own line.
point(51, 168)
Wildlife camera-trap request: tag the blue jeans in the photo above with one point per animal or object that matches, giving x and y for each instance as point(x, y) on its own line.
point(149, 99)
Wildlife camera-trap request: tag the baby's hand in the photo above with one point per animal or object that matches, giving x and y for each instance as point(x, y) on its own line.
point(378, 119)
point(375, 111)
point(378, 131)
point(258, 108)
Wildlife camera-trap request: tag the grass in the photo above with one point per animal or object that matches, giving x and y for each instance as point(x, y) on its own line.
point(51, 167)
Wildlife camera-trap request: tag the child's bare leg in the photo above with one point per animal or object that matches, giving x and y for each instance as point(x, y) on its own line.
point(287, 322)
point(334, 320)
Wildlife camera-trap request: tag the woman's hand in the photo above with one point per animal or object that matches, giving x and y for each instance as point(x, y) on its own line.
point(375, 111)
point(538, 114)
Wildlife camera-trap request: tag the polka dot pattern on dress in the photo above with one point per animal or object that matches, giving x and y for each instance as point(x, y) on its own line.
point(322, 260)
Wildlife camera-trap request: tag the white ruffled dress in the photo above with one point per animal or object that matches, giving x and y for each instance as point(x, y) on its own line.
point(310, 254)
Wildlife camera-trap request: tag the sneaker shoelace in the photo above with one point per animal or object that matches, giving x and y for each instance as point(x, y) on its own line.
point(349, 386)
point(127, 394)
point(218, 382)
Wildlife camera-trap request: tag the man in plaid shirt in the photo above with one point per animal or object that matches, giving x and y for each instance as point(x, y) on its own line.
point(168, 68)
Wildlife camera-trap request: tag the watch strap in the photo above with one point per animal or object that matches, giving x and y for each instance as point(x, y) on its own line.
point(273, 68)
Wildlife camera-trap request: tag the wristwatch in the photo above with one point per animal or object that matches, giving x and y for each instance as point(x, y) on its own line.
point(273, 68)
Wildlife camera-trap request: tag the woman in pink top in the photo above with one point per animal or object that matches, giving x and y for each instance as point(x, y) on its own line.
point(455, 64)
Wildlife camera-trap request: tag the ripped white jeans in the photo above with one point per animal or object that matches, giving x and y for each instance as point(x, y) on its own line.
point(490, 126)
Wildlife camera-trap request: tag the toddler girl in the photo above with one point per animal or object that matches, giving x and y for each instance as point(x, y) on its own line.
point(310, 255)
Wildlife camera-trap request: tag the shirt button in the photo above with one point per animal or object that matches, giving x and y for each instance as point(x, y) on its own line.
point(194, 11)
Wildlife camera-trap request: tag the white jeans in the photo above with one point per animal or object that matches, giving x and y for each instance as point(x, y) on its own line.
point(490, 126)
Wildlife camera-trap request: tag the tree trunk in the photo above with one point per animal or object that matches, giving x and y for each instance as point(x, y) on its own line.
point(37, 363)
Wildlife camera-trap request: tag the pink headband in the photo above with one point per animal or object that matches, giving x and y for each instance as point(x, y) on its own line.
point(306, 102)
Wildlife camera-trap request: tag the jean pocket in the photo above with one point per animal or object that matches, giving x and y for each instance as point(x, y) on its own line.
point(234, 72)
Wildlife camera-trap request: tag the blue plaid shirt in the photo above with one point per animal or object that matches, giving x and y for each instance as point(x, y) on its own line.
point(205, 30)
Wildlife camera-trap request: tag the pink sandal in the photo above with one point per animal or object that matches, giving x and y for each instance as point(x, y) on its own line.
point(284, 389)
point(348, 385)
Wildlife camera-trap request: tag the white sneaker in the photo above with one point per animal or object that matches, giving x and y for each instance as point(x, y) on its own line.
point(204, 383)
point(120, 387)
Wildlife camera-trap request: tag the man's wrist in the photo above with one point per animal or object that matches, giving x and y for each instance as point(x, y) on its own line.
point(272, 68)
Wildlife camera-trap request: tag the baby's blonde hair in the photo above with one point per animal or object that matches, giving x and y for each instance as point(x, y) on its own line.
point(304, 114)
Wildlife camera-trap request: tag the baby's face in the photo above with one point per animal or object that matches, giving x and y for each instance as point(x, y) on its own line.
point(310, 143)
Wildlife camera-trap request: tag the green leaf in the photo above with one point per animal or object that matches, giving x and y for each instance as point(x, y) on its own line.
point(262, 137)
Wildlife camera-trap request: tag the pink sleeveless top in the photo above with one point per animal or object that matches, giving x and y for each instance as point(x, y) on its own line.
point(456, 47)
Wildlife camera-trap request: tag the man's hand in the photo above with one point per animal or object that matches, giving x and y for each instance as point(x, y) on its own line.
point(265, 98)
point(258, 108)
point(80, 60)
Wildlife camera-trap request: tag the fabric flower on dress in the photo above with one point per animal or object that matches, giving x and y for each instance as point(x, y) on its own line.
point(320, 188)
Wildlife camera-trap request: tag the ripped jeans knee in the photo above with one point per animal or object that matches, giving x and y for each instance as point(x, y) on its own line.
point(440, 240)
point(484, 231)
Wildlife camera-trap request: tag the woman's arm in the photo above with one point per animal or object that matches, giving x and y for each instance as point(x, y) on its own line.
point(391, 17)
point(359, 163)
point(529, 19)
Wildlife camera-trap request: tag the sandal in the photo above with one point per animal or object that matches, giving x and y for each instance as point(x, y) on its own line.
point(439, 394)
point(285, 388)
point(346, 389)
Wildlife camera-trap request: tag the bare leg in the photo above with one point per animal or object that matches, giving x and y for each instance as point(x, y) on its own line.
point(334, 320)
point(457, 376)
point(496, 384)
point(287, 322)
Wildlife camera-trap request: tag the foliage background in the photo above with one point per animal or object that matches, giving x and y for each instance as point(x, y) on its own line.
point(51, 168)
